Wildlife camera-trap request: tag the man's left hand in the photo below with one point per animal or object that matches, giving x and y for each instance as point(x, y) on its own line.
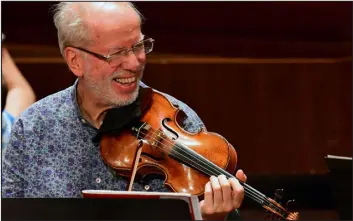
point(222, 196)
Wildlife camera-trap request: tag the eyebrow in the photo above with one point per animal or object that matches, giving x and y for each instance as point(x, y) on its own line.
point(117, 49)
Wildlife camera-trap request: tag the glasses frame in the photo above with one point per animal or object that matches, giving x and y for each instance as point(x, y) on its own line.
point(109, 57)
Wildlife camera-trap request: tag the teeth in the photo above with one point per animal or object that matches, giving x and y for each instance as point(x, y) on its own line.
point(126, 80)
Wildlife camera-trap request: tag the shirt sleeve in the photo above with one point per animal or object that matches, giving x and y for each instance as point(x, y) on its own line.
point(192, 122)
point(13, 164)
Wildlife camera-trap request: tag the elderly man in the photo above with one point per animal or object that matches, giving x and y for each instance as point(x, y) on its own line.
point(51, 152)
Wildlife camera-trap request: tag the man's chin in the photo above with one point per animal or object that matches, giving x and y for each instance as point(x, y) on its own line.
point(126, 99)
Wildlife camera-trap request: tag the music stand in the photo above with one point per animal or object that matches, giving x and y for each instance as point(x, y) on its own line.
point(340, 175)
point(104, 205)
point(175, 206)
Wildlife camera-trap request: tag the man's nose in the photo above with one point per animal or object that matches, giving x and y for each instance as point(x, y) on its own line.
point(131, 62)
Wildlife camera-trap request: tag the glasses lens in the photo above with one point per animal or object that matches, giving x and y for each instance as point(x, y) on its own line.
point(140, 49)
point(144, 47)
point(148, 46)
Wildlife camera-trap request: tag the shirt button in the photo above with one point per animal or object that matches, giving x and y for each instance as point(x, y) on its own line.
point(98, 180)
point(147, 187)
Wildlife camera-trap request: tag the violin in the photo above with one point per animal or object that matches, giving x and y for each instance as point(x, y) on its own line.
point(157, 144)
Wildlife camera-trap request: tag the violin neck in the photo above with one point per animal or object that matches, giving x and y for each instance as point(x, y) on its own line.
point(189, 157)
point(202, 164)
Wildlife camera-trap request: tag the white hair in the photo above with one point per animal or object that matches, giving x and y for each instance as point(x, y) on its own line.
point(70, 26)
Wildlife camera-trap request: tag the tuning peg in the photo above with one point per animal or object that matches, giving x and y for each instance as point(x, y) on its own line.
point(290, 203)
point(279, 194)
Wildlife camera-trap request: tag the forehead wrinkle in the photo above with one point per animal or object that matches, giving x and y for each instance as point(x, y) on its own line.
point(119, 26)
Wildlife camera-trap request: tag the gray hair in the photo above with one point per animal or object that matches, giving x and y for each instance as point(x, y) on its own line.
point(70, 26)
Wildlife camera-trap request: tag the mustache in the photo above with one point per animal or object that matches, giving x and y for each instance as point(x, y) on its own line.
point(123, 73)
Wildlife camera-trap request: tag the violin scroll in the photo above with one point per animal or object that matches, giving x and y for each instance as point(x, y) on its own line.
point(279, 200)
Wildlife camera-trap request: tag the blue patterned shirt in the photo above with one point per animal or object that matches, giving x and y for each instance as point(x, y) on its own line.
point(51, 153)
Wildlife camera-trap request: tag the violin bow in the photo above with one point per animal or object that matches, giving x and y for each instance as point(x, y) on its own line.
point(135, 164)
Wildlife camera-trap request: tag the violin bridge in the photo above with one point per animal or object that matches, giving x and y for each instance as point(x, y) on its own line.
point(140, 131)
point(157, 138)
point(146, 133)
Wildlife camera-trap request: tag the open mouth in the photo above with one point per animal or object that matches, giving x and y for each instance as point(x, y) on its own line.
point(125, 85)
point(125, 81)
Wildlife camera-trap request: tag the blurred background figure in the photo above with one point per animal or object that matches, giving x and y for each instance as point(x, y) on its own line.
point(17, 94)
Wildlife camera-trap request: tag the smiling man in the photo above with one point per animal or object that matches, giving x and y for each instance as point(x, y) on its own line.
point(51, 152)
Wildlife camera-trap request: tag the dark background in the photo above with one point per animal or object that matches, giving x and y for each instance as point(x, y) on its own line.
point(274, 78)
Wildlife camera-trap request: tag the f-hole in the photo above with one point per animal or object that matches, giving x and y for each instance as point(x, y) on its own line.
point(169, 129)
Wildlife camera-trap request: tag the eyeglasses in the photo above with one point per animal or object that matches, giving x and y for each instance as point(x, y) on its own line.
point(139, 49)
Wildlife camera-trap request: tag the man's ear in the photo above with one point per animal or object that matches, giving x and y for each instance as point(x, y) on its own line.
point(74, 61)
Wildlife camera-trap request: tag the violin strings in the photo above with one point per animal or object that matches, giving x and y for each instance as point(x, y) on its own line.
point(256, 198)
point(215, 167)
point(217, 170)
point(208, 172)
point(251, 192)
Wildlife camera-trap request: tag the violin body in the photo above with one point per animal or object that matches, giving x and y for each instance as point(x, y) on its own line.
point(119, 151)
